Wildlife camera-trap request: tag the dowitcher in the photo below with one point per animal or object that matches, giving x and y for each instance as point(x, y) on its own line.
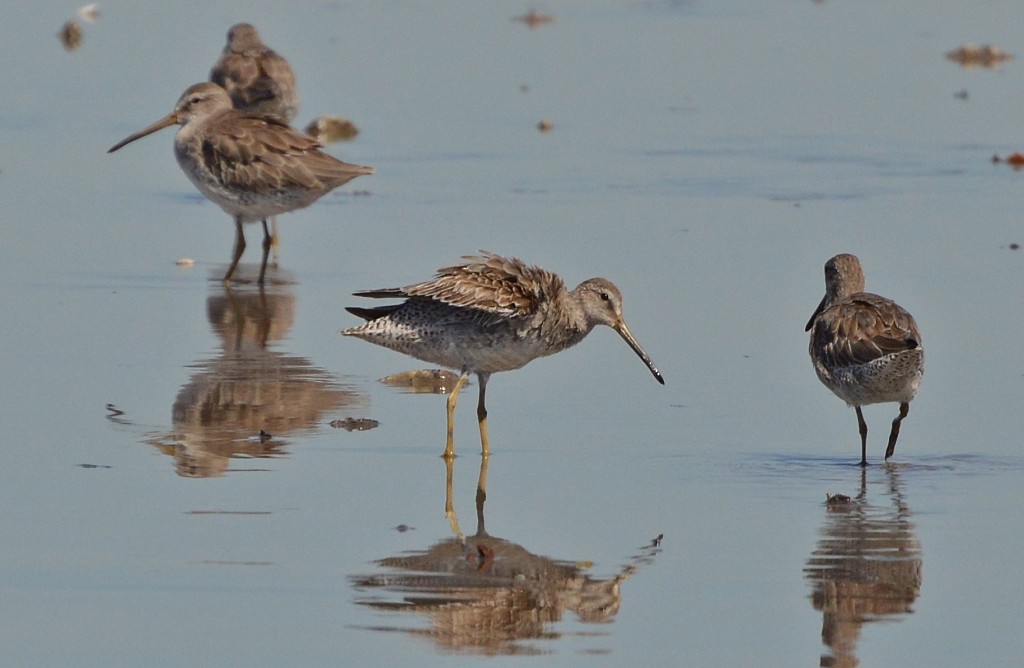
point(491, 314)
point(258, 80)
point(865, 348)
point(252, 166)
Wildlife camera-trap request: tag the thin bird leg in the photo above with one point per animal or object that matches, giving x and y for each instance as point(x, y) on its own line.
point(449, 450)
point(267, 242)
point(481, 416)
point(449, 504)
point(863, 437)
point(895, 433)
point(481, 495)
point(239, 249)
point(275, 241)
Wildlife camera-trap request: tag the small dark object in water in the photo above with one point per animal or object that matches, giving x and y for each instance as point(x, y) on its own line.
point(95, 466)
point(70, 35)
point(1014, 246)
point(544, 125)
point(836, 499)
point(534, 19)
point(402, 528)
point(264, 436)
point(961, 94)
point(986, 55)
point(436, 381)
point(656, 542)
point(355, 424)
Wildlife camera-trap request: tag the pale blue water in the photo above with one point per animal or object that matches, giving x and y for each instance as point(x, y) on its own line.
point(707, 157)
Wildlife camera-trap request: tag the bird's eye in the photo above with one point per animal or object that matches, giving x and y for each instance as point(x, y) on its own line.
point(605, 297)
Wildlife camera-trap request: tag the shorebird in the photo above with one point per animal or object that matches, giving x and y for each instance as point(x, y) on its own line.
point(491, 314)
point(252, 166)
point(865, 348)
point(258, 80)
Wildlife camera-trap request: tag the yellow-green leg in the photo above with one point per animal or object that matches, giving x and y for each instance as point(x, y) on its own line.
point(449, 450)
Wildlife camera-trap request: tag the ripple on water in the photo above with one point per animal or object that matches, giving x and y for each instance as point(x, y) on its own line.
point(773, 466)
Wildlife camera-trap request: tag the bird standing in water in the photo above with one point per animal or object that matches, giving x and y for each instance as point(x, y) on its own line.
point(491, 314)
point(258, 80)
point(252, 166)
point(865, 348)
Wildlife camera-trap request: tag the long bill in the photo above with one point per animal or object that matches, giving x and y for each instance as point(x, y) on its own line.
point(168, 120)
point(627, 336)
point(817, 312)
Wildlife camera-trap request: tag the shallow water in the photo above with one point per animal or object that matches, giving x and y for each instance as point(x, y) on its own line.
point(707, 157)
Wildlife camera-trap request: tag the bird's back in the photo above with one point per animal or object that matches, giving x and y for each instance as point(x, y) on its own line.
point(257, 166)
point(257, 78)
point(867, 349)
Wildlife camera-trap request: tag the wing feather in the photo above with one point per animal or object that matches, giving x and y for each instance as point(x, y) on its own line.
point(862, 328)
point(489, 283)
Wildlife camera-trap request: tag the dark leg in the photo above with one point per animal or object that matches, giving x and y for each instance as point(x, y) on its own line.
point(239, 249)
point(481, 415)
point(267, 242)
point(895, 433)
point(863, 437)
point(481, 495)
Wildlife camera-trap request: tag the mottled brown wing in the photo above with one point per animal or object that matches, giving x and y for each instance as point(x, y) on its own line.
point(263, 83)
point(862, 328)
point(492, 284)
point(247, 152)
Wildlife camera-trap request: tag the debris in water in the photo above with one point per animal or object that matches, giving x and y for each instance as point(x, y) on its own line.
point(70, 35)
point(834, 500)
point(1015, 160)
point(89, 13)
point(972, 55)
point(355, 424)
point(534, 19)
point(435, 381)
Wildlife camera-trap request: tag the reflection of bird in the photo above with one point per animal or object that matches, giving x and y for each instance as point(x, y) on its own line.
point(248, 401)
point(491, 314)
point(865, 348)
point(251, 166)
point(488, 595)
point(866, 568)
point(256, 78)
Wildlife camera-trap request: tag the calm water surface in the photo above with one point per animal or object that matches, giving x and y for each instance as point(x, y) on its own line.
point(706, 156)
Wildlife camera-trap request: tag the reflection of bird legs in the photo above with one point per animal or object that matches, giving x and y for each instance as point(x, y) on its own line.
point(481, 497)
point(275, 240)
point(481, 414)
